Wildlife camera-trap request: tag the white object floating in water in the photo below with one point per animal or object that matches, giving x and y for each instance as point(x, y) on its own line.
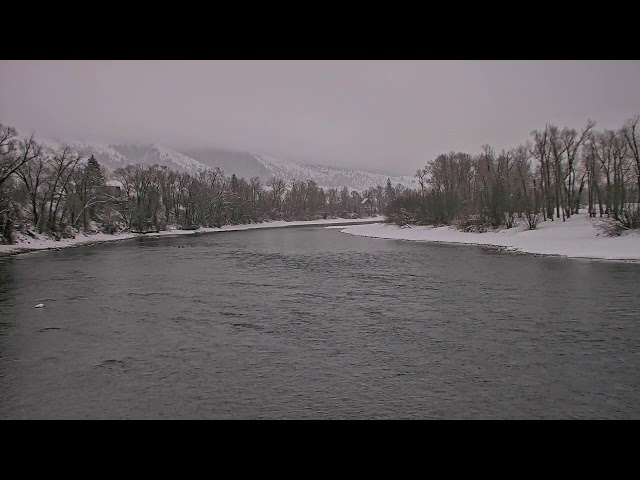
point(40, 305)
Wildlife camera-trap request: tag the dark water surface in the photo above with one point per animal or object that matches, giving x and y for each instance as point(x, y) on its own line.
point(312, 323)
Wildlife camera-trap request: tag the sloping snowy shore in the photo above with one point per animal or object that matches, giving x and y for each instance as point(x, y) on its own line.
point(578, 237)
point(40, 242)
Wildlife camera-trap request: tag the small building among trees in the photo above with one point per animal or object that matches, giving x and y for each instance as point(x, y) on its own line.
point(368, 206)
point(113, 188)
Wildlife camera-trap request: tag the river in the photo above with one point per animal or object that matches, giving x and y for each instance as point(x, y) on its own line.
point(308, 322)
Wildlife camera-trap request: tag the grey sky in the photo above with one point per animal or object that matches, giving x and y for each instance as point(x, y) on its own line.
point(366, 114)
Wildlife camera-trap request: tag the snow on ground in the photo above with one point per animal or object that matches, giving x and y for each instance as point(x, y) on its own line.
point(575, 238)
point(275, 224)
point(41, 242)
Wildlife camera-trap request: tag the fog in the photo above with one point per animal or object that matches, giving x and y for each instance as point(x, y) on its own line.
point(390, 115)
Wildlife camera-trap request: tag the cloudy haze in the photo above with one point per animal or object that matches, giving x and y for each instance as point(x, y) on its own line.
point(391, 115)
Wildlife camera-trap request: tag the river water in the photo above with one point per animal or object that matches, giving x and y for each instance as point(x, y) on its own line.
point(300, 323)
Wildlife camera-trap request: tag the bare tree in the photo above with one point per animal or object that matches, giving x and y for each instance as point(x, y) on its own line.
point(256, 188)
point(277, 187)
point(33, 176)
point(14, 153)
point(540, 150)
point(572, 143)
point(63, 164)
point(630, 134)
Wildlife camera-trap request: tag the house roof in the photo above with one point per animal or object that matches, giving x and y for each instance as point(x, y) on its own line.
point(365, 200)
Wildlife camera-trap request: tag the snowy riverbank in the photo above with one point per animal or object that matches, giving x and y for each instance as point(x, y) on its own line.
point(575, 238)
point(27, 244)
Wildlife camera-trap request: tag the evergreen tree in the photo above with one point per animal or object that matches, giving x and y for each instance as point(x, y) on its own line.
point(95, 178)
point(93, 183)
point(389, 191)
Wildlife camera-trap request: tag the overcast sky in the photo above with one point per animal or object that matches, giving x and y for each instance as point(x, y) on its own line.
point(393, 115)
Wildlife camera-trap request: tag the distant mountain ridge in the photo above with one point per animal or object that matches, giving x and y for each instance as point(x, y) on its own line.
point(242, 164)
point(329, 177)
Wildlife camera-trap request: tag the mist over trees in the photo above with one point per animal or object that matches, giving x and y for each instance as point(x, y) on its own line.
point(60, 193)
point(554, 175)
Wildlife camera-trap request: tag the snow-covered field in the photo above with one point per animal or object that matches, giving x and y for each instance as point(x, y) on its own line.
point(575, 238)
point(27, 244)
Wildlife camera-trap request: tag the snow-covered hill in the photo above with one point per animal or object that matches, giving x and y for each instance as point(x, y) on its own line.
point(243, 164)
point(115, 156)
point(157, 154)
point(104, 154)
point(329, 176)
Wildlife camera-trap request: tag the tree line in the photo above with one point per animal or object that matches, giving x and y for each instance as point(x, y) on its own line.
point(554, 175)
point(60, 193)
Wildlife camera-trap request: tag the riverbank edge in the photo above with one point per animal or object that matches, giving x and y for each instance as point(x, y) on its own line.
point(495, 247)
point(87, 241)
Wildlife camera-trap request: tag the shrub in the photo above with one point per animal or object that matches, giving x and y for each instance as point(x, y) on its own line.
point(531, 220)
point(630, 217)
point(610, 227)
point(470, 223)
point(510, 220)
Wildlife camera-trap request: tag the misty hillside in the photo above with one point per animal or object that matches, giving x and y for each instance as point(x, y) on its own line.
point(243, 164)
point(248, 165)
point(114, 156)
point(328, 177)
